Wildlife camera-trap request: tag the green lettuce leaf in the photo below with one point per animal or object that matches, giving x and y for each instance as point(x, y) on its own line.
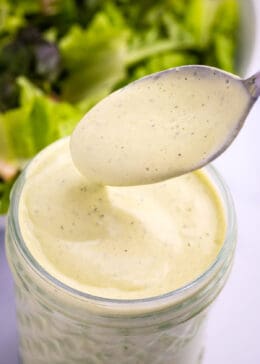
point(38, 122)
point(94, 58)
point(164, 61)
point(225, 35)
point(200, 19)
point(13, 14)
point(5, 189)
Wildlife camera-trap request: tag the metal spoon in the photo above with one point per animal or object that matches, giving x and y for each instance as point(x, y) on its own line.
point(253, 85)
point(163, 125)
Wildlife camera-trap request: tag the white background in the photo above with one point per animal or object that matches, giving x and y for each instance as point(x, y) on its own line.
point(234, 322)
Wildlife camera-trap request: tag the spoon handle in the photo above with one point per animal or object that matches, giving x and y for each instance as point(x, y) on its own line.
point(253, 85)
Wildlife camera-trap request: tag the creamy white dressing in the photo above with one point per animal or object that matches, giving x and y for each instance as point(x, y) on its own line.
point(118, 242)
point(159, 127)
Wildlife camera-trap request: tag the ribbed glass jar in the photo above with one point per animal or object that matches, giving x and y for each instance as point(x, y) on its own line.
point(60, 325)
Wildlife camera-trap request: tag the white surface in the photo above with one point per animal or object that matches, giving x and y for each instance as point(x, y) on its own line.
point(234, 323)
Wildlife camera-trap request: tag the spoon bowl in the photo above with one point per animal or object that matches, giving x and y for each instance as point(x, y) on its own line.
point(163, 125)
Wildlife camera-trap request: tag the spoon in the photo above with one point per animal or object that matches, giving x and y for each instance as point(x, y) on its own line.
point(163, 125)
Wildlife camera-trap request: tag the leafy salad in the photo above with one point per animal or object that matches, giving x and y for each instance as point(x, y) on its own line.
point(60, 57)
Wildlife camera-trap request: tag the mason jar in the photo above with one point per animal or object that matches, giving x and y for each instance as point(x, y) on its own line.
point(61, 325)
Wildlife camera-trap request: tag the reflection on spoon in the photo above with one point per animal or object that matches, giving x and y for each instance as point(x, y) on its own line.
point(163, 125)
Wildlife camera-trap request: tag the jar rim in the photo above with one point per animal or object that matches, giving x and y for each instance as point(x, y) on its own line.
point(171, 297)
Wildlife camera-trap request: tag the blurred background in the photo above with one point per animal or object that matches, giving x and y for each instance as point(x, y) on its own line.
point(59, 57)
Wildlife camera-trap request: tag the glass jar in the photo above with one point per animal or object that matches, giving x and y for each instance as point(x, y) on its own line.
point(58, 324)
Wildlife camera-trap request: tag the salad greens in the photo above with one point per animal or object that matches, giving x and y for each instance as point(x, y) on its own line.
point(59, 57)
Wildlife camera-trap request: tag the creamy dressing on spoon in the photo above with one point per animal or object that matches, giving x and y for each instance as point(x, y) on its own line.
point(159, 127)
